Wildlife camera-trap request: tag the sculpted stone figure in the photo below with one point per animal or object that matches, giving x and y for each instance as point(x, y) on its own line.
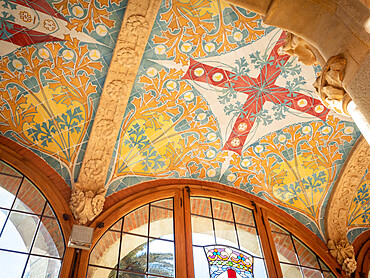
point(306, 53)
point(329, 85)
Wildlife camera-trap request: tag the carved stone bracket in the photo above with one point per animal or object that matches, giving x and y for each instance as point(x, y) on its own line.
point(88, 194)
point(306, 53)
point(344, 253)
point(329, 85)
point(86, 205)
point(340, 201)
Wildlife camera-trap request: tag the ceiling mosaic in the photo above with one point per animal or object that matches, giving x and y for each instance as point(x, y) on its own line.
point(216, 99)
point(54, 59)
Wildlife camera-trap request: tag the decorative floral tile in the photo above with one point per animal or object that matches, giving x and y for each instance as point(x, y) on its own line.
point(215, 99)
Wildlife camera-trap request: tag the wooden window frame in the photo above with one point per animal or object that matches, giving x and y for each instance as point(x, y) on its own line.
point(181, 191)
point(50, 184)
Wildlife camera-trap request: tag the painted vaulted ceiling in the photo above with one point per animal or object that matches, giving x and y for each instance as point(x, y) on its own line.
point(215, 99)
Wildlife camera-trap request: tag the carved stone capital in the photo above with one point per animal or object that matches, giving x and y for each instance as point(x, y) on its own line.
point(344, 253)
point(329, 85)
point(296, 46)
point(88, 195)
point(86, 205)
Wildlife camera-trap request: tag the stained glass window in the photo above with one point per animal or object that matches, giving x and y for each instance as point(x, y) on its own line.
point(224, 259)
point(31, 241)
point(230, 229)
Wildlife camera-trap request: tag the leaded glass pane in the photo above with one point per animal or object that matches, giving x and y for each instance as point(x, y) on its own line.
point(223, 259)
point(8, 189)
point(202, 229)
point(311, 273)
point(6, 169)
point(49, 240)
point(201, 206)
point(248, 240)
point(122, 274)
point(284, 247)
point(99, 272)
point(201, 268)
point(22, 234)
point(328, 274)
point(297, 255)
point(133, 256)
point(167, 204)
point(225, 233)
point(230, 255)
point(290, 271)
point(117, 226)
point(162, 258)
point(49, 212)
point(145, 247)
point(19, 232)
point(323, 265)
point(277, 229)
point(222, 210)
point(243, 215)
point(105, 252)
point(161, 222)
point(305, 255)
point(12, 264)
point(137, 221)
point(3, 215)
point(43, 267)
point(29, 199)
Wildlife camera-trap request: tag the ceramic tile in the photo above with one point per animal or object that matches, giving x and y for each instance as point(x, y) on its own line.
point(199, 113)
point(53, 126)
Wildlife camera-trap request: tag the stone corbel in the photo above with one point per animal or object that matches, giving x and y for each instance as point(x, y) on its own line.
point(298, 47)
point(344, 253)
point(86, 205)
point(329, 85)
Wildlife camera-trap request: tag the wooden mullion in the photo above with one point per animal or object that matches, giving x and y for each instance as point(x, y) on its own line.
point(267, 242)
point(188, 232)
point(180, 237)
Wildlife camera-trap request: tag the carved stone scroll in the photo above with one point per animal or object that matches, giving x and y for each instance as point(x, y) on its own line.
point(340, 201)
point(329, 85)
point(306, 53)
point(88, 194)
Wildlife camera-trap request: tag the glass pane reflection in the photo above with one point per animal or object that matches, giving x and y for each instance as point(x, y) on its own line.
point(22, 232)
point(150, 224)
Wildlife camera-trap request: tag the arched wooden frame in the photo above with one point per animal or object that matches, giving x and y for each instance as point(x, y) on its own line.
point(52, 186)
point(127, 200)
point(362, 250)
